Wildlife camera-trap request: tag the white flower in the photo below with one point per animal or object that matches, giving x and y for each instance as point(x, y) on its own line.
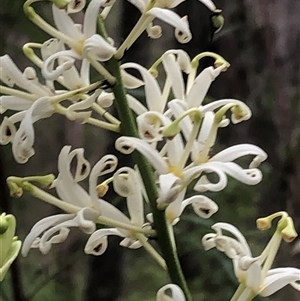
point(27, 81)
point(84, 43)
point(175, 290)
point(86, 206)
point(161, 11)
point(126, 184)
point(254, 273)
point(171, 164)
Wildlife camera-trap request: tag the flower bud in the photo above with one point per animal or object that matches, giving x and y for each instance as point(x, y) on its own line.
point(9, 245)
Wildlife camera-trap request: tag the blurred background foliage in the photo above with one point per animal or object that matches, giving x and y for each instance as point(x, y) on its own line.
point(261, 40)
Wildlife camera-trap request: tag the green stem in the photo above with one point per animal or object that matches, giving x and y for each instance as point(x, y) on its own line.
point(164, 238)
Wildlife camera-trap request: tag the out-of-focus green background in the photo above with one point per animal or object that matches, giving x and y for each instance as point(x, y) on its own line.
point(261, 40)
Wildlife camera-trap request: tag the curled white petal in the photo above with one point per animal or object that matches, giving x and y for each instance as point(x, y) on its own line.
point(7, 131)
point(82, 166)
point(168, 191)
point(150, 125)
point(97, 242)
point(91, 15)
point(130, 81)
point(246, 112)
point(82, 105)
point(106, 165)
point(8, 102)
point(218, 227)
point(65, 185)
point(11, 75)
point(40, 227)
point(176, 293)
point(127, 145)
point(136, 105)
point(105, 100)
point(66, 62)
point(278, 278)
point(240, 150)
point(65, 24)
point(182, 31)
point(24, 137)
point(50, 47)
point(201, 85)
point(152, 90)
point(174, 74)
point(154, 31)
point(202, 205)
point(208, 241)
point(126, 184)
point(75, 6)
point(97, 47)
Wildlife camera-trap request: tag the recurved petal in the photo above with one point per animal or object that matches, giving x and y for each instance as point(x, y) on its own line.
point(251, 176)
point(201, 85)
point(136, 105)
point(11, 75)
point(97, 47)
point(130, 243)
point(234, 152)
point(127, 145)
point(42, 226)
point(173, 71)
point(218, 227)
point(7, 131)
point(154, 31)
point(150, 125)
point(84, 220)
point(75, 6)
point(152, 90)
point(91, 15)
point(66, 187)
point(97, 242)
point(65, 24)
point(108, 162)
point(105, 100)
point(203, 184)
point(82, 167)
point(50, 47)
point(175, 290)
point(127, 184)
point(106, 165)
point(209, 241)
point(130, 81)
point(8, 102)
point(202, 205)
point(66, 62)
point(82, 105)
point(168, 193)
point(278, 278)
point(182, 31)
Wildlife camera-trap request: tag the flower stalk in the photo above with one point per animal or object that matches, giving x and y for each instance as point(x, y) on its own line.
point(164, 238)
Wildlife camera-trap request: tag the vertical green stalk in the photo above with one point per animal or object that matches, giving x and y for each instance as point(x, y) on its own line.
point(126, 117)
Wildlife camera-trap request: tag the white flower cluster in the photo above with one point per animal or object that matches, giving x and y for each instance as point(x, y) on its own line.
point(177, 130)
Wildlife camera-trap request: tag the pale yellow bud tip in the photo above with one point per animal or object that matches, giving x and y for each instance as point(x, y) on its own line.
point(289, 233)
point(102, 189)
point(263, 224)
